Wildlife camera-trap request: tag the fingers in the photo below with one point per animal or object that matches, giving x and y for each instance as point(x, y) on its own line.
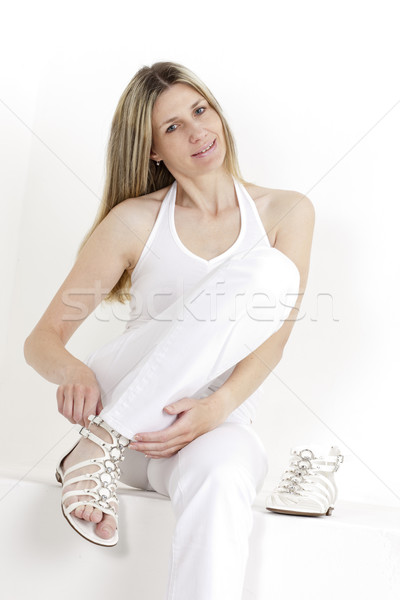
point(166, 453)
point(90, 406)
point(67, 405)
point(196, 419)
point(166, 442)
point(60, 400)
point(181, 405)
point(179, 428)
point(99, 407)
point(76, 402)
point(162, 449)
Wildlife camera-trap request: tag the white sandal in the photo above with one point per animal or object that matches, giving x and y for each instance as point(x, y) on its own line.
point(106, 478)
point(307, 487)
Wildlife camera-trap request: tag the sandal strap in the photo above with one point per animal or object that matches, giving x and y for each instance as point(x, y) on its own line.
point(318, 491)
point(116, 437)
point(107, 446)
point(322, 486)
point(91, 492)
point(84, 463)
point(94, 504)
point(329, 463)
point(311, 477)
point(91, 476)
point(110, 467)
point(106, 475)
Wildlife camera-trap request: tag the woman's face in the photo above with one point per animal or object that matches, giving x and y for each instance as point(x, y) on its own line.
point(183, 125)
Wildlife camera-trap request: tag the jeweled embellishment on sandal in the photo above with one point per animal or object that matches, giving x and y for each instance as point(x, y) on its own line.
point(106, 477)
point(307, 487)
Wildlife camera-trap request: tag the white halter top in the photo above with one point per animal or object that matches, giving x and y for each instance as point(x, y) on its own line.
point(167, 269)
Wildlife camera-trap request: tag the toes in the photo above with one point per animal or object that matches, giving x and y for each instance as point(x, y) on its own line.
point(96, 516)
point(87, 513)
point(107, 527)
point(79, 511)
point(84, 511)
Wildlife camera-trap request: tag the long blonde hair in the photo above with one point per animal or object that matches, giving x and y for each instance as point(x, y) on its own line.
point(129, 170)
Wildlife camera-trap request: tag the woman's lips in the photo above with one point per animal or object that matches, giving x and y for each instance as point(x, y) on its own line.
point(207, 152)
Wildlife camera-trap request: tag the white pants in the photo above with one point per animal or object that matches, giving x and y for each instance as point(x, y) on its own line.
point(213, 481)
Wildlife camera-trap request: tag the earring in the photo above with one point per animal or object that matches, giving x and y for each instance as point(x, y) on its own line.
point(158, 163)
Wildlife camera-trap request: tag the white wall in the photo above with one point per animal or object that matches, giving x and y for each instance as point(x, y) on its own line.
point(307, 88)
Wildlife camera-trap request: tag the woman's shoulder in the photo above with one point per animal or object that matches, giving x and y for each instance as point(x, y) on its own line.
point(273, 196)
point(141, 209)
point(273, 204)
point(139, 215)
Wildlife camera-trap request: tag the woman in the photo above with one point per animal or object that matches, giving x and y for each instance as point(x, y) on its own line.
point(217, 268)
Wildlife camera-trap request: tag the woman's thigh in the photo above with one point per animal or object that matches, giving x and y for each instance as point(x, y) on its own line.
point(231, 449)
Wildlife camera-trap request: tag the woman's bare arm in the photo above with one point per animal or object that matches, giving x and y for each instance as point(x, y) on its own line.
point(106, 254)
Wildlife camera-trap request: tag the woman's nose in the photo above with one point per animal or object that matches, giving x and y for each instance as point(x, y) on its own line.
point(197, 133)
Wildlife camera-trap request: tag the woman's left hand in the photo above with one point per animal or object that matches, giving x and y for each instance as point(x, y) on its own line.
point(194, 417)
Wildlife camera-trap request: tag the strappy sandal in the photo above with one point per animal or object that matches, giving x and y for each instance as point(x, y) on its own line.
point(307, 487)
point(106, 478)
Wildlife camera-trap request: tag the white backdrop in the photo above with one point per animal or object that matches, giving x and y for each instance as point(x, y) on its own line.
point(312, 94)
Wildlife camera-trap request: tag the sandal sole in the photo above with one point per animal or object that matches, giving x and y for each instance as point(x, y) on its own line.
point(300, 514)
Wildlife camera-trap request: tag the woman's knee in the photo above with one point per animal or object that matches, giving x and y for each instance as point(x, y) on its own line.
point(228, 457)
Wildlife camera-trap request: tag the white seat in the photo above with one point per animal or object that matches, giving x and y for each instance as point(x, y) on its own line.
point(354, 553)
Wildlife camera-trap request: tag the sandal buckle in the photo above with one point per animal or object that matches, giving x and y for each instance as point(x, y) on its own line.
point(84, 432)
point(339, 460)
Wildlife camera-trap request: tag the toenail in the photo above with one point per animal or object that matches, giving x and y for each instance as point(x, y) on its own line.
point(107, 530)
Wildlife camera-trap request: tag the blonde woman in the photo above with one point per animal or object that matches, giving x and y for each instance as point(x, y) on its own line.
point(214, 269)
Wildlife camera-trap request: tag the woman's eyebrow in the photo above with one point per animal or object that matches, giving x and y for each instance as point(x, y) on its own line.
point(176, 118)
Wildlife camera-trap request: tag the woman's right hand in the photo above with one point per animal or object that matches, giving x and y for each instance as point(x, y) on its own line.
point(79, 395)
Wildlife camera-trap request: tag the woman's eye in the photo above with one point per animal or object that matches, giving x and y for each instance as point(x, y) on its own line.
point(200, 108)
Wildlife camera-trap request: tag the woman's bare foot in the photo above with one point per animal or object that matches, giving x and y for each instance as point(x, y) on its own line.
point(85, 450)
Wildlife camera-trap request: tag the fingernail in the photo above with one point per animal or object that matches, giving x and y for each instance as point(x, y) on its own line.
point(137, 438)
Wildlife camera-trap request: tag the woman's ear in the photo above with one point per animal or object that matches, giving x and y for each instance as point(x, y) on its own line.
point(154, 155)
